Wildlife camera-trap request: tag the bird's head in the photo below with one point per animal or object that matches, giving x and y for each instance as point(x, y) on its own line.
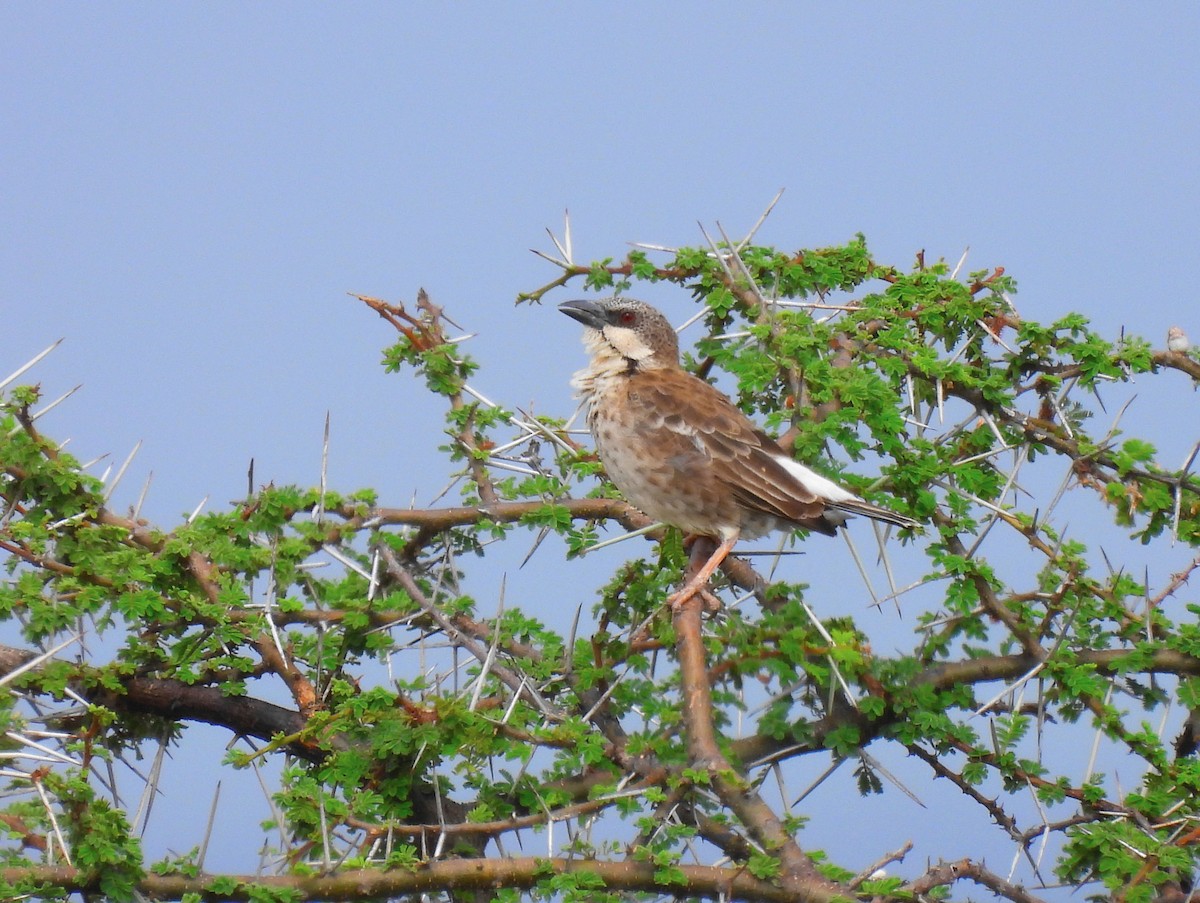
point(625, 331)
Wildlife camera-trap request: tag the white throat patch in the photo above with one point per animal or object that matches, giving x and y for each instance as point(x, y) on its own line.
point(609, 353)
point(627, 343)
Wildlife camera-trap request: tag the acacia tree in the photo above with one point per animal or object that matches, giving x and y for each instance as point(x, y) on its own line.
point(433, 739)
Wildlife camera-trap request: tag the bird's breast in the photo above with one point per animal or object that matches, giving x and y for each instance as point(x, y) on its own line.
point(661, 470)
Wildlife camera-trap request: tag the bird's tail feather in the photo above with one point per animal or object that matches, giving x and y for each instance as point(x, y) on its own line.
point(866, 509)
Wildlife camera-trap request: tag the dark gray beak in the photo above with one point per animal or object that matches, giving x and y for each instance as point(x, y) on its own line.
point(589, 313)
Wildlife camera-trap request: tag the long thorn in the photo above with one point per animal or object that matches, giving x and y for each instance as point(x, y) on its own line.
point(15, 374)
point(112, 487)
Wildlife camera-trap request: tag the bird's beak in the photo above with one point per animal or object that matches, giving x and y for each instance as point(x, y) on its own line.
point(586, 312)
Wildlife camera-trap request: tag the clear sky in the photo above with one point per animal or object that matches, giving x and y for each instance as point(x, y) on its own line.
point(188, 191)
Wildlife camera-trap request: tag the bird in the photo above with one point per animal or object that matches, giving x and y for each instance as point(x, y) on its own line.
point(1177, 340)
point(1189, 735)
point(682, 452)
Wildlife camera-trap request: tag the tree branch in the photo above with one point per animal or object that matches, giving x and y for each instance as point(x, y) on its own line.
point(696, 881)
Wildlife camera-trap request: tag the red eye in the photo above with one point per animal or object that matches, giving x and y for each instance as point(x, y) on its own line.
point(627, 317)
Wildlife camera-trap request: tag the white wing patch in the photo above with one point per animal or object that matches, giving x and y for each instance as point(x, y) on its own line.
point(815, 483)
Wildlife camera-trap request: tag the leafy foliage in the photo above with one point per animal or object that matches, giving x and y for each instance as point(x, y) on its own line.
point(424, 739)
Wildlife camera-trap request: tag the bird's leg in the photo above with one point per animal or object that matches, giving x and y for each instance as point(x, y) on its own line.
point(699, 580)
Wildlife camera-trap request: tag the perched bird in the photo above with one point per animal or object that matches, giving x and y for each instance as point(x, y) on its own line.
point(1189, 736)
point(1177, 340)
point(682, 452)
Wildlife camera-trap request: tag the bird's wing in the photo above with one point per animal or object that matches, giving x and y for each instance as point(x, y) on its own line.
point(712, 439)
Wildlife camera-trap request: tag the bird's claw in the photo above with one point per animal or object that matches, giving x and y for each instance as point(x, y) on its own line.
point(677, 600)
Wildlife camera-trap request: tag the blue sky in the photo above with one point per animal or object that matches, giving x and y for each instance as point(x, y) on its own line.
point(190, 190)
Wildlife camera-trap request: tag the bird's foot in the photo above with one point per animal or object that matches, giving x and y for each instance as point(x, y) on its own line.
point(703, 563)
point(678, 599)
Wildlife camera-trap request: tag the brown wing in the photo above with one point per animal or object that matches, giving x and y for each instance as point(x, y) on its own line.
point(714, 440)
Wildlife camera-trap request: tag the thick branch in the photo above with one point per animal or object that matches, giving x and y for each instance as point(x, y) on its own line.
point(178, 701)
point(942, 676)
point(697, 882)
point(734, 789)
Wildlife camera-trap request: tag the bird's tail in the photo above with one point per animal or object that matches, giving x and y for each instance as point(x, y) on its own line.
point(866, 509)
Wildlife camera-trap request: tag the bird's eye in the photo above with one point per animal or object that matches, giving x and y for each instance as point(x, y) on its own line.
point(626, 317)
